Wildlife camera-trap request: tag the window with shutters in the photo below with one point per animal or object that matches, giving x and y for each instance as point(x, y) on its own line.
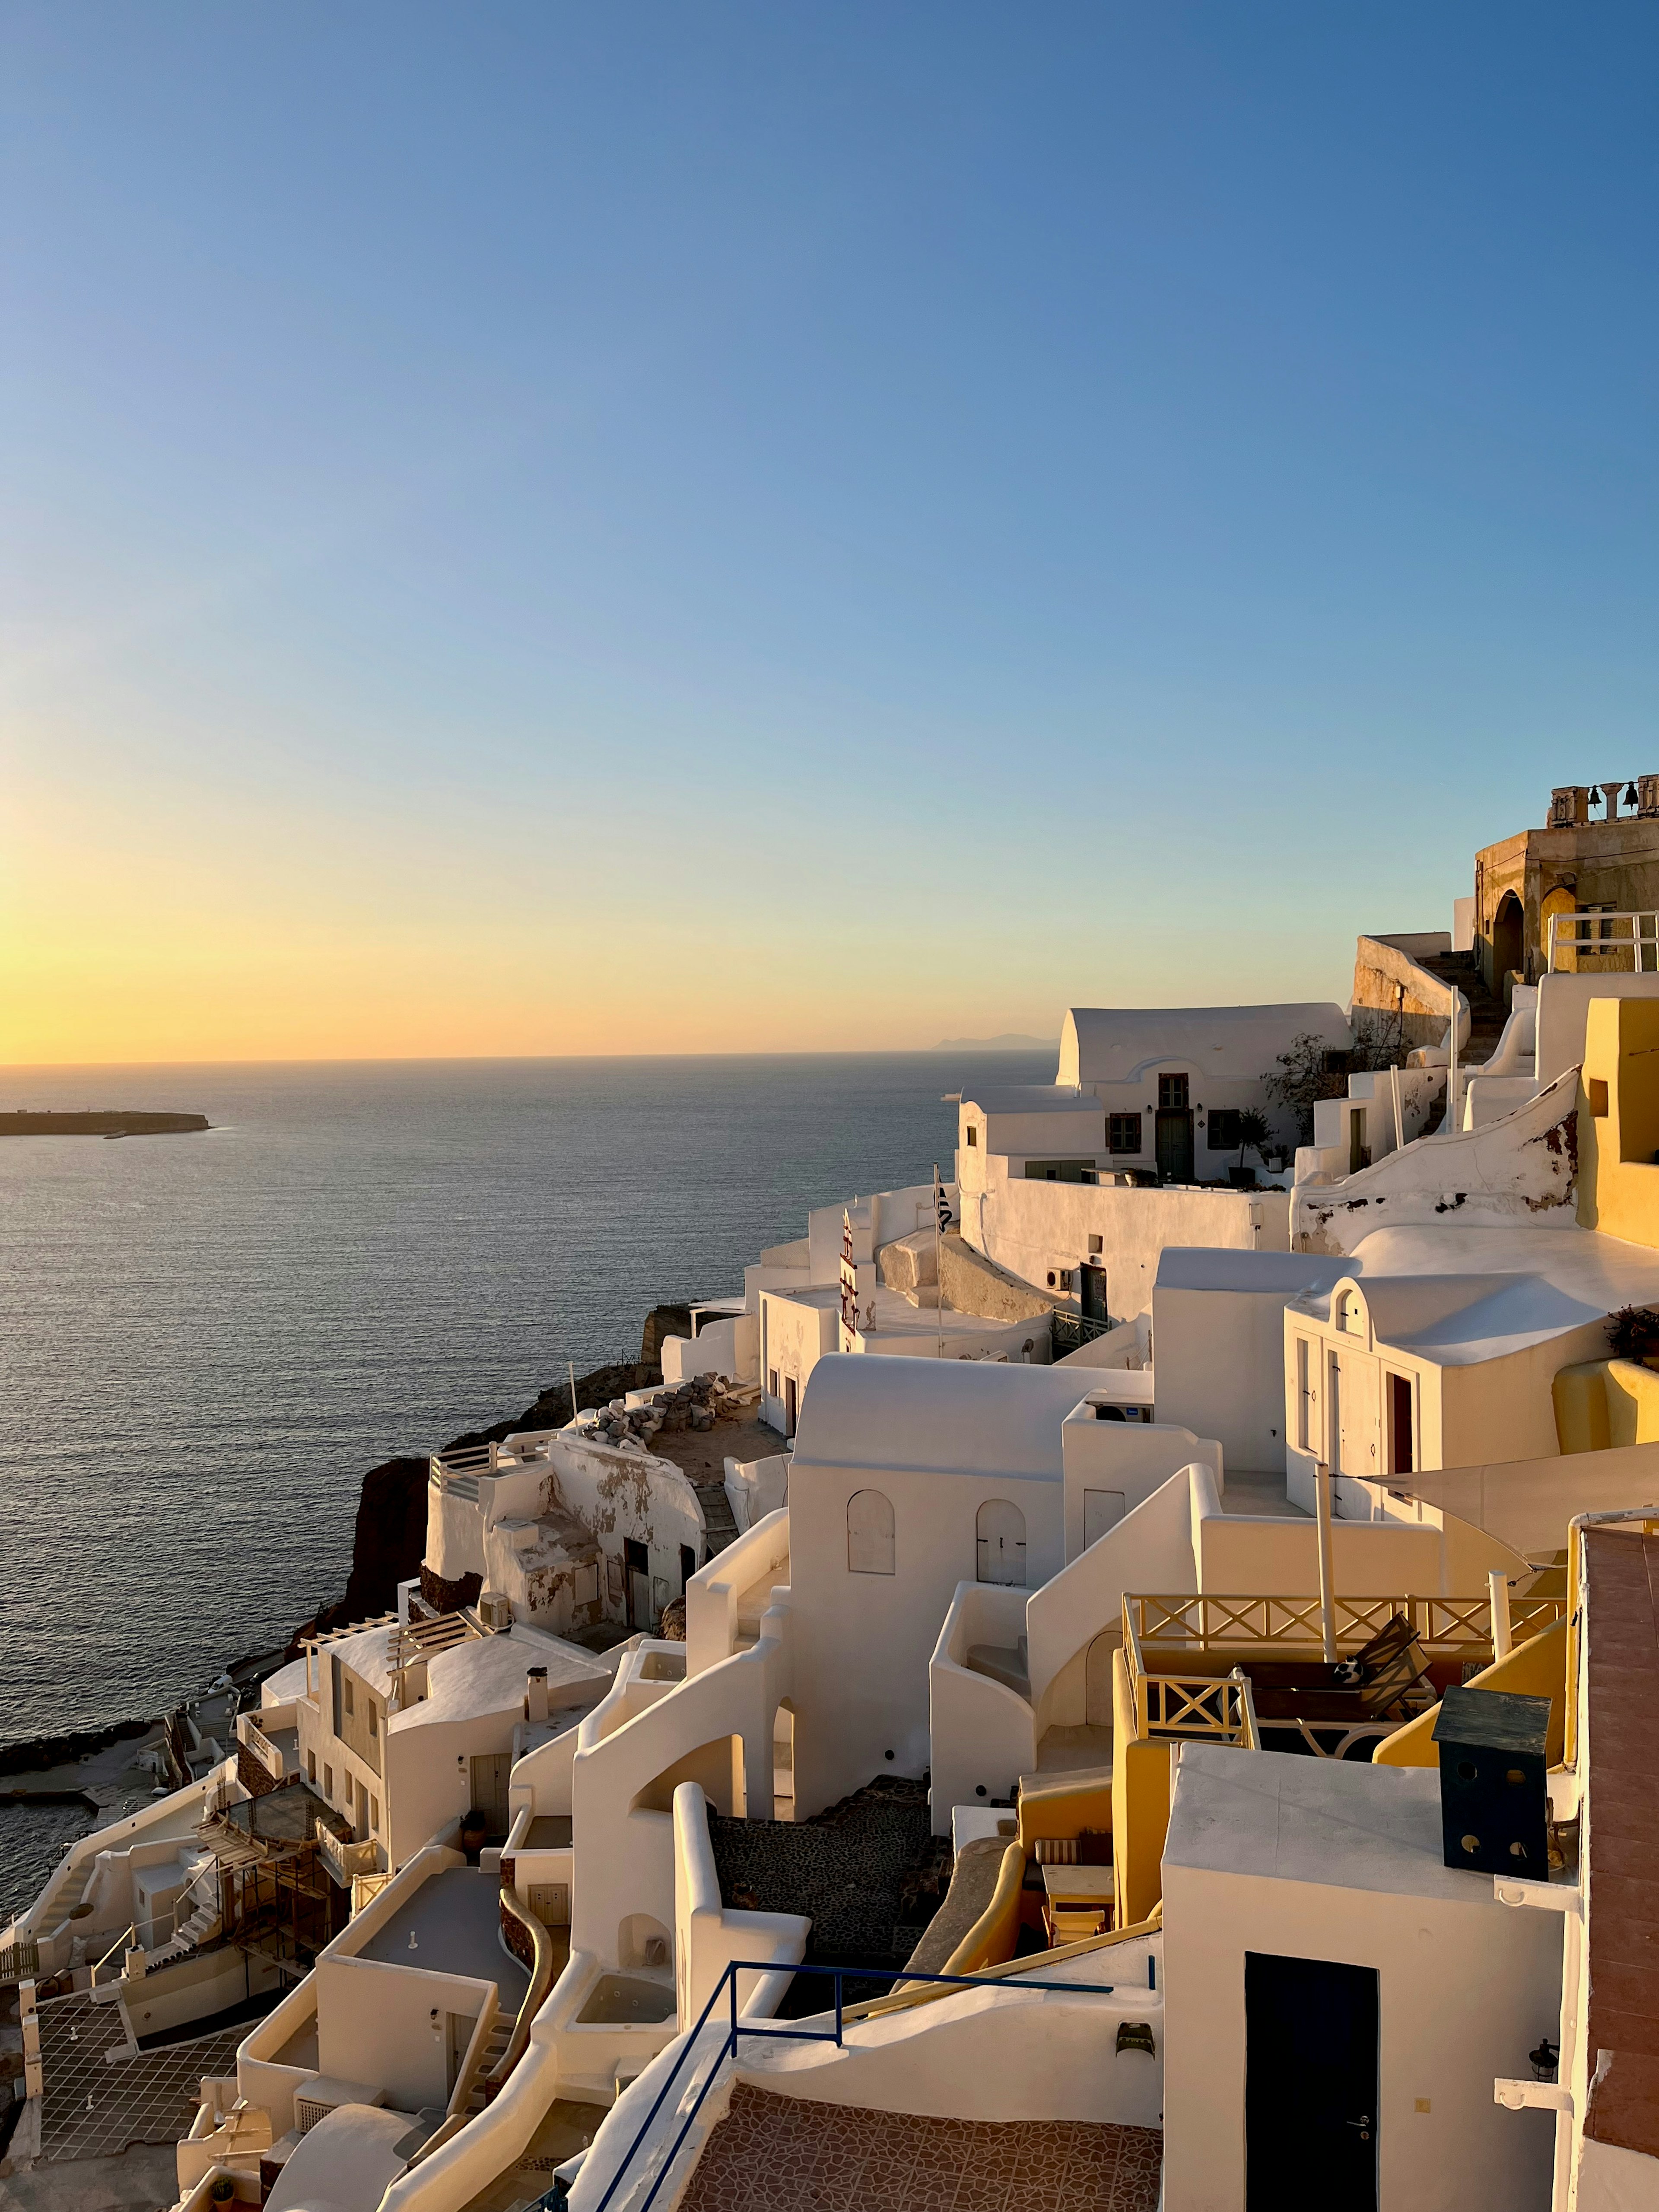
point(1123, 1133)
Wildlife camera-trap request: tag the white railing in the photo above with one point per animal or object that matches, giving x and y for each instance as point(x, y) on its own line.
point(1578, 937)
point(460, 1470)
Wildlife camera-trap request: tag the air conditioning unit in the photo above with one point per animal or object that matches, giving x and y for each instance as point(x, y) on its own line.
point(495, 1611)
point(325, 2093)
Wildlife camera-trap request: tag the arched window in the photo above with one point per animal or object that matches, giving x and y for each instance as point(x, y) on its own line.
point(869, 1533)
point(1000, 1531)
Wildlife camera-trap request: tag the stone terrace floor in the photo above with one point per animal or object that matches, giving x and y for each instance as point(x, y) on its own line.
point(778, 2154)
point(149, 2098)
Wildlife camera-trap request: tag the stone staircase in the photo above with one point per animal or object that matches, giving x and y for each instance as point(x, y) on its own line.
point(1486, 1014)
point(203, 1922)
point(494, 2050)
point(1004, 1664)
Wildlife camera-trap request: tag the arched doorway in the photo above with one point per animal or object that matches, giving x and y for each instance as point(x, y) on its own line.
point(1000, 1543)
point(1508, 941)
point(1098, 1681)
point(1559, 901)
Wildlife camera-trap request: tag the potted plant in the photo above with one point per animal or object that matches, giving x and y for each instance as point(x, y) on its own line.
point(1253, 1134)
point(223, 2190)
point(1633, 1333)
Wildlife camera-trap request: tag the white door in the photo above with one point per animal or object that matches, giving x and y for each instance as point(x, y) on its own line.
point(1102, 1510)
point(1000, 1533)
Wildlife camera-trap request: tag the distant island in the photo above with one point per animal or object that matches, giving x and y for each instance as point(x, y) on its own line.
point(110, 1124)
point(1010, 1041)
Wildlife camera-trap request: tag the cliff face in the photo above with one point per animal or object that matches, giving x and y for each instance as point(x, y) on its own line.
point(386, 1545)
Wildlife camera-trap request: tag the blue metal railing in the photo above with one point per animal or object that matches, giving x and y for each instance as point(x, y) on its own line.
point(556, 2197)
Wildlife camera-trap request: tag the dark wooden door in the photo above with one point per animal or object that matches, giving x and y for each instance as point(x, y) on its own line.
point(638, 1561)
point(1175, 1144)
point(1311, 2078)
point(1091, 1298)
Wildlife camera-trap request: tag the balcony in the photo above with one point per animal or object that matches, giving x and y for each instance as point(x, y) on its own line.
point(1397, 1655)
point(344, 1859)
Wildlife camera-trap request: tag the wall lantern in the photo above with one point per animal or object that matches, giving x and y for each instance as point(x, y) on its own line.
point(1544, 2061)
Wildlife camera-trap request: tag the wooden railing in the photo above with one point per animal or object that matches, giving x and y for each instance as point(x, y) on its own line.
point(20, 1960)
point(1220, 1707)
point(1447, 1627)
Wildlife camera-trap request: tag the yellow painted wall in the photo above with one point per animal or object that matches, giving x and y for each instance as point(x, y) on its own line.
point(1536, 1668)
point(1140, 1808)
point(1606, 1404)
point(1618, 1177)
point(1064, 1810)
point(995, 1936)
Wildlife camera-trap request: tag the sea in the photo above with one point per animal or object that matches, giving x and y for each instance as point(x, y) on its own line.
point(206, 1340)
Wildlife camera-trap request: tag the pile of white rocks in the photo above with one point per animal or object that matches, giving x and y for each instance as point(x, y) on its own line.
point(697, 1404)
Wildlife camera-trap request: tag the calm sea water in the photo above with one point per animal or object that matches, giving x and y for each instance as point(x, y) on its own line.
point(206, 1340)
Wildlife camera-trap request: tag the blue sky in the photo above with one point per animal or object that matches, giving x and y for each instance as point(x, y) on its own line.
point(554, 530)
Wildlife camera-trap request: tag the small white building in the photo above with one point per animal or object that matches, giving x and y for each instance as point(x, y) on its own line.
point(1338, 2001)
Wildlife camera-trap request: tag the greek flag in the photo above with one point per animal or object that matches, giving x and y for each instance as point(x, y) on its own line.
point(942, 1212)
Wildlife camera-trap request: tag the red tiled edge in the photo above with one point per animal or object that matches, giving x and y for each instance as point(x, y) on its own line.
point(1621, 1687)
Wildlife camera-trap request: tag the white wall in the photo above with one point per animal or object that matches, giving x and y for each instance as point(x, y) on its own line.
point(641, 1733)
point(1465, 1989)
point(1219, 1356)
point(707, 1935)
point(729, 1347)
point(983, 1736)
point(713, 1596)
point(374, 2020)
point(864, 1641)
point(795, 1333)
point(1152, 1549)
point(1133, 1457)
point(1029, 1228)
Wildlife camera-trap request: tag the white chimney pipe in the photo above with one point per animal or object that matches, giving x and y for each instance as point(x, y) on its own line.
point(535, 1694)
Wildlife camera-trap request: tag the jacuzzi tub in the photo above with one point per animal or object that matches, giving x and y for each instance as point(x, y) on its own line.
point(627, 2000)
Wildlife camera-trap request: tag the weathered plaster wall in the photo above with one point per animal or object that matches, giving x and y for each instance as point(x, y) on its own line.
point(1611, 864)
point(1523, 1169)
point(1395, 997)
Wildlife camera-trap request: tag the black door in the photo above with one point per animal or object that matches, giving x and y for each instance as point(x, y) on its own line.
point(1175, 1146)
point(1311, 2076)
point(1173, 1129)
point(1091, 1298)
point(637, 1560)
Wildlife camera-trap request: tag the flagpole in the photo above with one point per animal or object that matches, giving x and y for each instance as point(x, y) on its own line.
point(939, 1257)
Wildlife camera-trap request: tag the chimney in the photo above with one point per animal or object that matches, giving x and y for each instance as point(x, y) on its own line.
point(535, 1694)
point(1494, 1800)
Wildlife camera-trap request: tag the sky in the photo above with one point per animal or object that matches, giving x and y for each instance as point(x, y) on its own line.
point(529, 529)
